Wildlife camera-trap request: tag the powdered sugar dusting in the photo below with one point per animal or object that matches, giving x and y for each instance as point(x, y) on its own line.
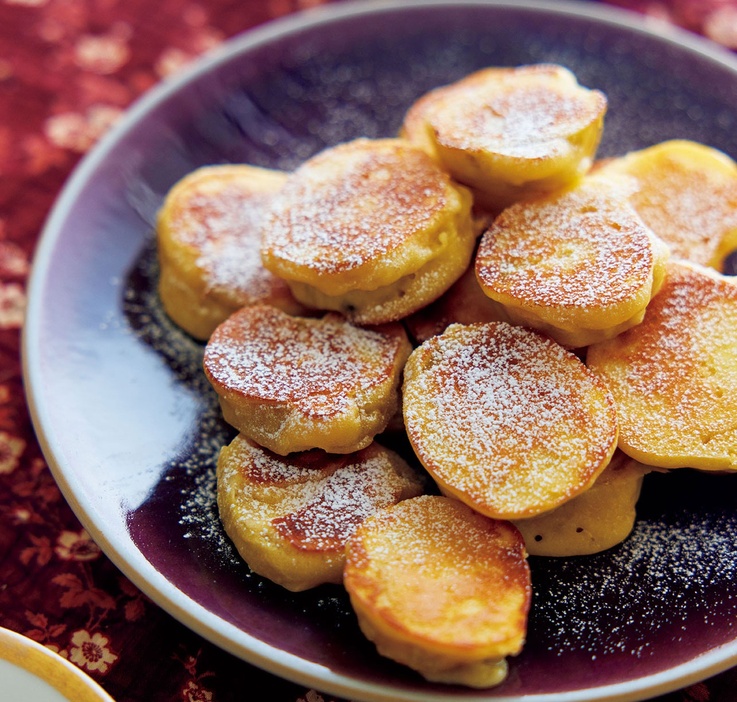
point(312, 499)
point(328, 515)
point(434, 530)
point(327, 519)
point(673, 375)
point(265, 354)
point(506, 417)
point(691, 318)
point(670, 578)
point(692, 209)
point(530, 124)
point(196, 508)
point(529, 113)
point(585, 248)
point(231, 253)
point(220, 215)
point(352, 203)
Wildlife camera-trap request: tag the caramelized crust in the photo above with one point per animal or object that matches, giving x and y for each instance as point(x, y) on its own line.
point(509, 133)
point(338, 212)
point(293, 383)
point(673, 376)
point(579, 265)
point(290, 517)
point(505, 419)
point(440, 588)
point(687, 194)
point(209, 240)
point(371, 228)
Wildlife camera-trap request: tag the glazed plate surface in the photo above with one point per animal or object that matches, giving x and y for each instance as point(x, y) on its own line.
point(131, 428)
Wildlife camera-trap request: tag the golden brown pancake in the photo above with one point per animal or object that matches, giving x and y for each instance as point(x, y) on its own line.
point(209, 241)
point(507, 420)
point(441, 589)
point(579, 265)
point(596, 520)
point(290, 516)
point(509, 133)
point(674, 375)
point(295, 383)
point(687, 194)
point(373, 229)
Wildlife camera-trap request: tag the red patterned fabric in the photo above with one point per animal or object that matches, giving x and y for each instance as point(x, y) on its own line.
point(68, 69)
point(715, 19)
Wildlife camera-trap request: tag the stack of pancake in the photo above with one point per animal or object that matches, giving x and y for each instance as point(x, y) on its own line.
point(539, 328)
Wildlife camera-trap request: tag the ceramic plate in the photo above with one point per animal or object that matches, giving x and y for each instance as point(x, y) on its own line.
point(30, 671)
point(131, 428)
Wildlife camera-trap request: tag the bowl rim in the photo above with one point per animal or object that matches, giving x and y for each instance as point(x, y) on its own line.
point(41, 662)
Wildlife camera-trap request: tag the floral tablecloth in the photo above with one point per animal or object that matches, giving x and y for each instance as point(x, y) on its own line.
point(68, 69)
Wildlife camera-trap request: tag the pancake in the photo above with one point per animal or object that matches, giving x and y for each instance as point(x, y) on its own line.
point(673, 376)
point(373, 229)
point(209, 241)
point(596, 520)
point(441, 589)
point(579, 265)
point(687, 194)
point(509, 133)
point(507, 420)
point(290, 517)
point(295, 383)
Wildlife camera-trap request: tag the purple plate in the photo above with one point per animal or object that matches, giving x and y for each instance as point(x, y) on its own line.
point(131, 429)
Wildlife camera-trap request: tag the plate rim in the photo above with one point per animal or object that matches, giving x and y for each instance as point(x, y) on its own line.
point(47, 665)
point(126, 557)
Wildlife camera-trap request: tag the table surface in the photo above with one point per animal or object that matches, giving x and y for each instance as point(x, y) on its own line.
point(68, 69)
